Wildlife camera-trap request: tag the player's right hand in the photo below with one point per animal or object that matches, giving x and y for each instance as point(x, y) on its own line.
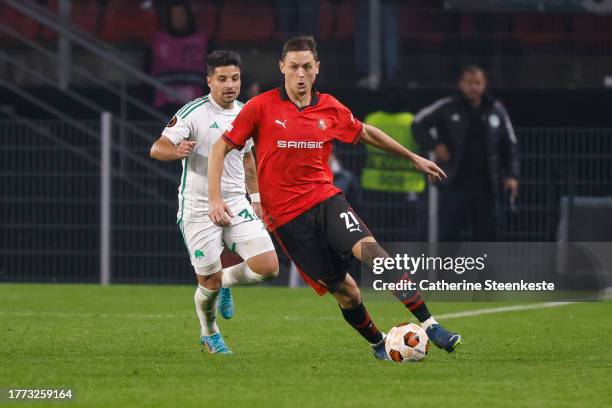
point(430, 168)
point(258, 210)
point(184, 148)
point(220, 213)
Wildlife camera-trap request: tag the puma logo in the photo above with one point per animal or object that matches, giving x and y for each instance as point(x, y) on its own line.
point(281, 123)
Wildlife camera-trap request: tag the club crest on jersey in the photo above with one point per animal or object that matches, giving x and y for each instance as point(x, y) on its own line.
point(172, 122)
point(322, 124)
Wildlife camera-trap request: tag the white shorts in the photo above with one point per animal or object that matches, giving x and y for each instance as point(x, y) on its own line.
point(204, 240)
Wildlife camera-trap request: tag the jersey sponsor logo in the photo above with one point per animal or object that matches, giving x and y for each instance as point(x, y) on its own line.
point(322, 124)
point(214, 126)
point(172, 122)
point(278, 122)
point(294, 144)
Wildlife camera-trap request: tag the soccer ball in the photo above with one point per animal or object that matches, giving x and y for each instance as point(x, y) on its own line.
point(407, 342)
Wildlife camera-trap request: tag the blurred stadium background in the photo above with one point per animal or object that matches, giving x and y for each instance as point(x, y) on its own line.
point(81, 199)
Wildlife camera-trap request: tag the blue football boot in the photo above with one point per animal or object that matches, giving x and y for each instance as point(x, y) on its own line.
point(215, 344)
point(379, 351)
point(225, 303)
point(442, 338)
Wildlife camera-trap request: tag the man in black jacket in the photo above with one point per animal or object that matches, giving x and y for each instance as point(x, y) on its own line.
point(474, 143)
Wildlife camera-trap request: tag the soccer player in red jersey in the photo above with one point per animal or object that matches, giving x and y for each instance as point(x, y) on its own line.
point(293, 128)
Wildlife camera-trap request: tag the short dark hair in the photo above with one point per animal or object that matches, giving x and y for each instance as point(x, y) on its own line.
point(471, 69)
point(301, 43)
point(222, 58)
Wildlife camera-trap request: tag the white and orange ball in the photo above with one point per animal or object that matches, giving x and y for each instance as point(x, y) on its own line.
point(407, 342)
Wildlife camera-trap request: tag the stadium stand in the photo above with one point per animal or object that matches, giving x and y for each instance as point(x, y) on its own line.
point(207, 16)
point(127, 21)
point(246, 21)
point(535, 29)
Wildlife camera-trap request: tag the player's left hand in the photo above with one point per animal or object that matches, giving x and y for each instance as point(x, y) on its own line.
point(430, 168)
point(258, 210)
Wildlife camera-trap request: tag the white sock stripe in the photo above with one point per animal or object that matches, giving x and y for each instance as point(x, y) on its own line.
point(208, 292)
point(255, 277)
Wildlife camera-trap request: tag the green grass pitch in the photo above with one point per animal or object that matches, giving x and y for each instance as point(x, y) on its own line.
point(137, 346)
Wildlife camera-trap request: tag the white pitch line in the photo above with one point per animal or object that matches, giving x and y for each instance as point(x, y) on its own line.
point(534, 306)
point(503, 309)
point(456, 315)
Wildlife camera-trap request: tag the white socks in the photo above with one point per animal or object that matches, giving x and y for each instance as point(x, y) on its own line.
point(425, 325)
point(241, 274)
point(205, 301)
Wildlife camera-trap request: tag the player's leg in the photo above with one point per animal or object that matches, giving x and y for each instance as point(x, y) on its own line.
point(341, 229)
point(225, 300)
point(248, 238)
point(346, 233)
point(366, 250)
point(348, 296)
point(256, 269)
point(304, 241)
point(203, 242)
point(205, 300)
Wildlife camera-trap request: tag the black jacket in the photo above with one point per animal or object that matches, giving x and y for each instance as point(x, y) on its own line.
point(446, 121)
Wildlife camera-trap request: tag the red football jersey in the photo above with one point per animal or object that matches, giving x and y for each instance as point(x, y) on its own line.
point(292, 147)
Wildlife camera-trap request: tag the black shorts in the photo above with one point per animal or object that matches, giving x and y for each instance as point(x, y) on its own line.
point(320, 241)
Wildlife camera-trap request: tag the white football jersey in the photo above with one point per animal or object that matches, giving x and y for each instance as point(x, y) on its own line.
point(204, 121)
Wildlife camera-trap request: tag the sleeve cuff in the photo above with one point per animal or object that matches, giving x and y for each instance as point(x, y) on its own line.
point(356, 138)
point(231, 142)
point(173, 140)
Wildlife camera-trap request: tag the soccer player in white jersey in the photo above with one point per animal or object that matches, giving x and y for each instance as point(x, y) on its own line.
point(189, 136)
